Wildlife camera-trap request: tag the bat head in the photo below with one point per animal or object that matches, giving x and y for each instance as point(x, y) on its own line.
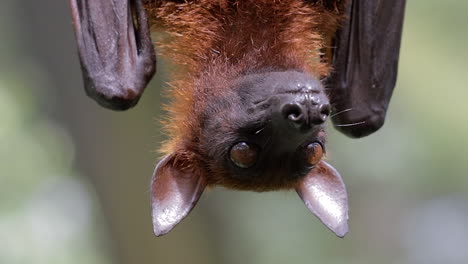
point(265, 131)
point(248, 111)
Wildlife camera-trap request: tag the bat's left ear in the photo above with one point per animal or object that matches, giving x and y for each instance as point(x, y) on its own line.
point(176, 186)
point(115, 49)
point(324, 193)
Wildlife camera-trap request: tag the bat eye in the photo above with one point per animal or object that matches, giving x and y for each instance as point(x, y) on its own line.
point(244, 155)
point(314, 153)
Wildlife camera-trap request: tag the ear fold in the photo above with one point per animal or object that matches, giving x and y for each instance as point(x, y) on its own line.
point(115, 48)
point(324, 193)
point(175, 189)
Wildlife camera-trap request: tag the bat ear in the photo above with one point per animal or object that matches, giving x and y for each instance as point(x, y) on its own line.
point(176, 186)
point(115, 49)
point(324, 193)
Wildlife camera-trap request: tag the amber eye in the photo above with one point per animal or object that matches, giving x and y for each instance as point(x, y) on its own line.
point(314, 153)
point(243, 155)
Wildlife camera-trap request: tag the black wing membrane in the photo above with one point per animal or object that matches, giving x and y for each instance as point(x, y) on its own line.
point(115, 49)
point(365, 64)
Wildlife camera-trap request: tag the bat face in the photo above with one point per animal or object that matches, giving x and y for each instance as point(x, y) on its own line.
point(263, 132)
point(248, 109)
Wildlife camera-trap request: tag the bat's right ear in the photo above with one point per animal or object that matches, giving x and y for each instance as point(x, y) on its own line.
point(176, 186)
point(324, 193)
point(115, 48)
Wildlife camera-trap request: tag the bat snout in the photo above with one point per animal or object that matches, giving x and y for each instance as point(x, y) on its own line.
point(302, 111)
point(294, 101)
point(297, 117)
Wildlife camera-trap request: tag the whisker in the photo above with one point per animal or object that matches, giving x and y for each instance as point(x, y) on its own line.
point(340, 112)
point(259, 131)
point(352, 124)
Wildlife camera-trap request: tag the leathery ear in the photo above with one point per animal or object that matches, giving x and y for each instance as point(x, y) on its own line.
point(177, 184)
point(324, 193)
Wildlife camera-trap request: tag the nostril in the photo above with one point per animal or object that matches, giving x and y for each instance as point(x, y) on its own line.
point(292, 112)
point(324, 110)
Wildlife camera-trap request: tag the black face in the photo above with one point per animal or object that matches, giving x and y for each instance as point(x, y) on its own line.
point(267, 130)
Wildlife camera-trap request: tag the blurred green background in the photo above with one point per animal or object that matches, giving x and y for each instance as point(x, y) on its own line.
point(74, 178)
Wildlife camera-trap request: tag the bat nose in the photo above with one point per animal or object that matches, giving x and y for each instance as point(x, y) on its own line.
point(294, 114)
point(323, 112)
point(305, 114)
point(296, 101)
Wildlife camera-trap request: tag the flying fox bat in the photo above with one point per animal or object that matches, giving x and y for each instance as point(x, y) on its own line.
point(258, 80)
